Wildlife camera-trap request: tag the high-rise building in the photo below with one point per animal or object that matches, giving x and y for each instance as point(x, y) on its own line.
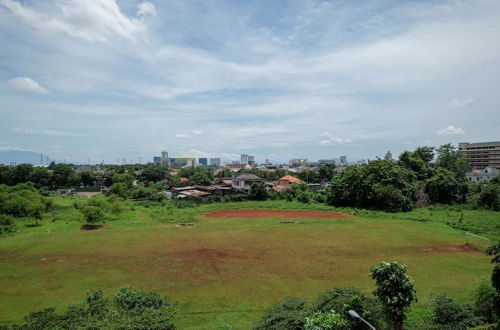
point(343, 160)
point(215, 161)
point(388, 156)
point(165, 161)
point(244, 159)
point(251, 160)
point(157, 160)
point(203, 161)
point(482, 154)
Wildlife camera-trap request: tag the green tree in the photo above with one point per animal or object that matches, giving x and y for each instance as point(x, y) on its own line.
point(259, 191)
point(154, 173)
point(443, 187)
point(448, 157)
point(92, 214)
point(394, 290)
point(41, 177)
point(484, 301)
point(119, 189)
point(61, 174)
point(494, 251)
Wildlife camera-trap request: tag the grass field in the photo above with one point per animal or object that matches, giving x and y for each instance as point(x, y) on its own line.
point(225, 271)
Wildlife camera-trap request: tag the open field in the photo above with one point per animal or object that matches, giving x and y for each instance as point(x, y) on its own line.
point(225, 271)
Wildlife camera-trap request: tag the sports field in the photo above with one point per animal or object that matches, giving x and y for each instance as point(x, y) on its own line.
point(225, 270)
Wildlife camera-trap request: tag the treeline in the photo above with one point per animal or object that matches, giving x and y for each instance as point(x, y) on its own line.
point(414, 180)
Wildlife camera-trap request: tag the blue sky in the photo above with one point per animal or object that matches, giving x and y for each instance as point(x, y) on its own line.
point(107, 79)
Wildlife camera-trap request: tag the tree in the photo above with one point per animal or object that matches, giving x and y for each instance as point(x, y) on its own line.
point(92, 214)
point(259, 191)
point(450, 158)
point(494, 251)
point(394, 290)
point(120, 189)
point(154, 173)
point(443, 187)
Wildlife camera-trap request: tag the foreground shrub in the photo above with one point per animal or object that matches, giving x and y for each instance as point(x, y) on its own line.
point(449, 314)
point(326, 321)
point(484, 301)
point(129, 309)
point(344, 299)
point(291, 314)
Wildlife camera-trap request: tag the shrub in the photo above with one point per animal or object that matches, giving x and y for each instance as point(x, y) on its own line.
point(7, 223)
point(484, 301)
point(344, 299)
point(92, 214)
point(447, 313)
point(326, 321)
point(291, 314)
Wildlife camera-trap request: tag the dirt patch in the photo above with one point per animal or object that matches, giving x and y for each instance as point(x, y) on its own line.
point(88, 194)
point(185, 224)
point(92, 227)
point(253, 213)
point(453, 248)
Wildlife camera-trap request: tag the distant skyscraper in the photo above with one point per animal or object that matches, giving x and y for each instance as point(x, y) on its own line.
point(388, 155)
point(157, 160)
point(203, 161)
point(215, 161)
point(343, 160)
point(244, 159)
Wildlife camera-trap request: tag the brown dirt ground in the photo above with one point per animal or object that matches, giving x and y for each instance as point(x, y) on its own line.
point(252, 213)
point(455, 248)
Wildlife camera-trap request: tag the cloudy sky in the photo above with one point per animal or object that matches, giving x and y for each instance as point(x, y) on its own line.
point(107, 79)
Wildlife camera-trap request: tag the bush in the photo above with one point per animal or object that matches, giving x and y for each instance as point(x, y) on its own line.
point(326, 321)
point(344, 299)
point(129, 309)
point(484, 301)
point(7, 223)
point(92, 214)
point(291, 314)
point(449, 314)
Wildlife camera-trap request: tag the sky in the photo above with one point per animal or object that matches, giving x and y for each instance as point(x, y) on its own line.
point(108, 79)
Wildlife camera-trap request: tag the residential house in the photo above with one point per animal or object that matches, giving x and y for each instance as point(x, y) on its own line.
point(244, 182)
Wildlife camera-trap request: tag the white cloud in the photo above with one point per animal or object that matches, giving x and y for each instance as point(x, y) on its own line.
point(457, 104)
point(196, 132)
point(146, 8)
point(31, 131)
point(451, 130)
point(26, 84)
point(96, 20)
point(331, 139)
point(181, 136)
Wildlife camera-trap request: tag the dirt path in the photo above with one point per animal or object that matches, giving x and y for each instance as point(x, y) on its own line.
point(253, 213)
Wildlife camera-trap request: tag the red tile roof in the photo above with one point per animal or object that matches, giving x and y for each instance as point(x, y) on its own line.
point(291, 179)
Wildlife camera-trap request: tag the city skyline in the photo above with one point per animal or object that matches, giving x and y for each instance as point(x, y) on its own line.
point(297, 79)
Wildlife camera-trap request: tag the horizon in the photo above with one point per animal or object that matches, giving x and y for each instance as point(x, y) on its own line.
point(297, 79)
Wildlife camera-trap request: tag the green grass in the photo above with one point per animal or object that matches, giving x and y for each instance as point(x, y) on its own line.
point(225, 272)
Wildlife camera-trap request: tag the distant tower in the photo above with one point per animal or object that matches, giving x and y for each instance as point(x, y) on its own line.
point(41, 159)
point(164, 154)
point(388, 156)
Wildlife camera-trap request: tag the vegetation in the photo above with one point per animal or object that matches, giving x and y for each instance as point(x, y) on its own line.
point(128, 308)
point(394, 290)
